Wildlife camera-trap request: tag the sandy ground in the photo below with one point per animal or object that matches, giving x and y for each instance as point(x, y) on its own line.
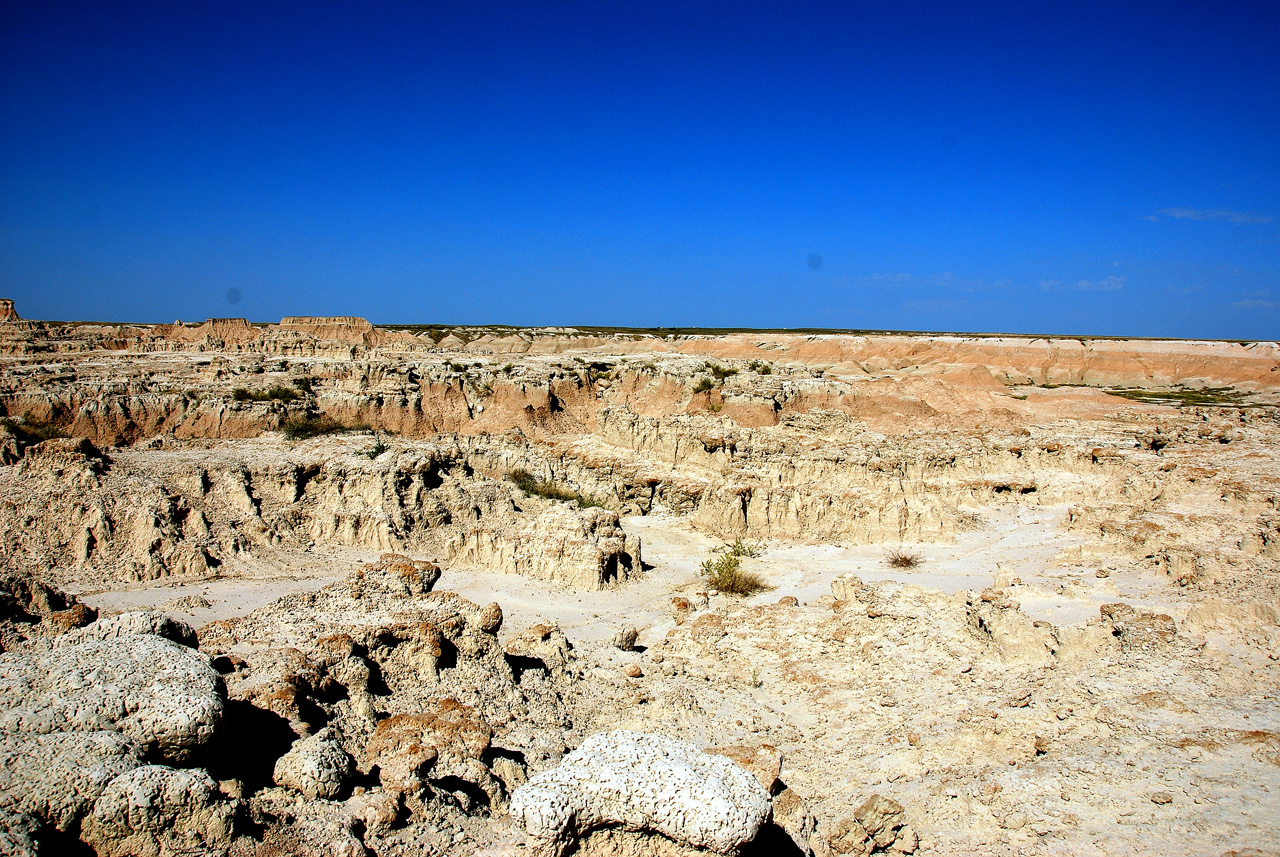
point(1025, 543)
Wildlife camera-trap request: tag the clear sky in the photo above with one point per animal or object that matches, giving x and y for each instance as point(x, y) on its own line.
point(1071, 168)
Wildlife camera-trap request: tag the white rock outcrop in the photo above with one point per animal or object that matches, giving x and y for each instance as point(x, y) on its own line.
point(164, 696)
point(134, 622)
point(644, 783)
point(316, 766)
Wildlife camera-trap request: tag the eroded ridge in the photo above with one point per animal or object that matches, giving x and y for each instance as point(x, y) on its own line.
point(330, 587)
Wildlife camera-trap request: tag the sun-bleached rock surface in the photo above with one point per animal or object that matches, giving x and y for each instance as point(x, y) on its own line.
point(154, 811)
point(131, 623)
point(316, 766)
point(644, 783)
point(54, 778)
point(162, 695)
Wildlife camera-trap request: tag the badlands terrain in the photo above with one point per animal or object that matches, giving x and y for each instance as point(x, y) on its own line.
point(328, 588)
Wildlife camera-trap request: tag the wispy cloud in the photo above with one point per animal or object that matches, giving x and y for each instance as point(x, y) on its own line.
point(1213, 214)
point(1106, 284)
point(889, 279)
point(1254, 303)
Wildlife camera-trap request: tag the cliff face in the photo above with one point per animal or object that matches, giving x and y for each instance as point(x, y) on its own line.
point(856, 440)
point(1002, 575)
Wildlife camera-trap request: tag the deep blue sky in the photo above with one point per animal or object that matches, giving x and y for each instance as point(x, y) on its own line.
point(1033, 167)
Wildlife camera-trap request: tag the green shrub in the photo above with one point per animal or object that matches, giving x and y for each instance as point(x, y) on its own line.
point(33, 430)
point(760, 367)
point(741, 548)
point(534, 487)
point(377, 449)
point(277, 393)
point(721, 372)
point(726, 574)
point(301, 428)
point(306, 384)
point(704, 385)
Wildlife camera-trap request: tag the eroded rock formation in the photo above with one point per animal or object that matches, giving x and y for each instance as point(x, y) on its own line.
point(1082, 638)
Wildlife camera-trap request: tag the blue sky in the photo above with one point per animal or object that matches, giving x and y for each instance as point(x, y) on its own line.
point(1024, 167)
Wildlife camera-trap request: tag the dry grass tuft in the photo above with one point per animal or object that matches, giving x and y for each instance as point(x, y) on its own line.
point(902, 559)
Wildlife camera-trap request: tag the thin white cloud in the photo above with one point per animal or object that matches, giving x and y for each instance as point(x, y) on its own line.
point(1253, 303)
point(1051, 285)
point(1214, 214)
point(892, 279)
point(1106, 284)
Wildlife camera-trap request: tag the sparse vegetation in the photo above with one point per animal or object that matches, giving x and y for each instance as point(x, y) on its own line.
point(306, 384)
point(532, 486)
point(1217, 397)
point(715, 407)
point(276, 393)
point(302, 428)
point(741, 548)
point(760, 367)
point(32, 429)
point(721, 372)
point(726, 574)
point(704, 385)
point(900, 558)
point(377, 449)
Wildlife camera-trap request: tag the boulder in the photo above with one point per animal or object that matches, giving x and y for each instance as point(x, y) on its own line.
point(430, 748)
point(317, 767)
point(626, 638)
point(646, 784)
point(164, 696)
point(155, 811)
point(393, 576)
point(55, 778)
point(877, 826)
point(135, 622)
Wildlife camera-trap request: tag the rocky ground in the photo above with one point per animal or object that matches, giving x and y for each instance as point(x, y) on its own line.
point(323, 587)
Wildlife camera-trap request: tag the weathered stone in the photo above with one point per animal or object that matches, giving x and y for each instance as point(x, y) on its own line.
point(164, 696)
point(644, 783)
point(154, 811)
point(316, 766)
point(55, 778)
